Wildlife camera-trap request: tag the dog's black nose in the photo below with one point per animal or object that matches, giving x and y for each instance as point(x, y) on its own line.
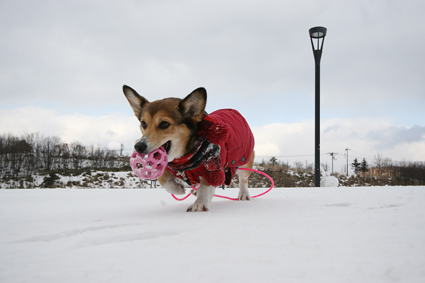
point(140, 147)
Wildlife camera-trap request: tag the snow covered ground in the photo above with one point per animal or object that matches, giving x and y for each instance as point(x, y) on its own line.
point(367, 234)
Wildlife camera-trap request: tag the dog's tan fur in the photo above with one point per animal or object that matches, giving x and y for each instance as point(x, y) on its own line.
point(173, 121)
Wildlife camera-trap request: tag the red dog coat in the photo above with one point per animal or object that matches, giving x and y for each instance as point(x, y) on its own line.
point(225, 142)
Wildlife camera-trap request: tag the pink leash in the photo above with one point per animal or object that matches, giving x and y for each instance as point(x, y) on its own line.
point(220, 196)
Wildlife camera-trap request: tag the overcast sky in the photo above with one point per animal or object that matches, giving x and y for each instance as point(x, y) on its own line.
point(63, 64)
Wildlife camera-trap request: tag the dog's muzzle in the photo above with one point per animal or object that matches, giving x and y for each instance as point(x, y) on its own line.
point(141, 146)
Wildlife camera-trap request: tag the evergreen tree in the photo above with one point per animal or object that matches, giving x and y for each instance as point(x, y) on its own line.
point(356, 166)
point(364, 167)
point(50, 181)
point(273, 161)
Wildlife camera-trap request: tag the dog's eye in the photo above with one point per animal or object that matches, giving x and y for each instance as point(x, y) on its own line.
point(143, 124)
point(164, 125)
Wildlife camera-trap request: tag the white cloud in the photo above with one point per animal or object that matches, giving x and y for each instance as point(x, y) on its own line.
point(280, 139)
point(109, 130)
point(295, 141)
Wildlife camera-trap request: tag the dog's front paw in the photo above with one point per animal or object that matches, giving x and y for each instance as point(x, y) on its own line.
point(244, 196)
point(203, 207)
point(175, 187)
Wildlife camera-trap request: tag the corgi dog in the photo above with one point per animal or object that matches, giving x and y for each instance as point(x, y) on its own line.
point(202, 149)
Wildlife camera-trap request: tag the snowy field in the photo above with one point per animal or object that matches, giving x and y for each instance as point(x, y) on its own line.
point(373, 234)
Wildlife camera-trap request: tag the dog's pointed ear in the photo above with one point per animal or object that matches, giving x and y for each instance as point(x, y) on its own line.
point(193, 106)
point(136, 101)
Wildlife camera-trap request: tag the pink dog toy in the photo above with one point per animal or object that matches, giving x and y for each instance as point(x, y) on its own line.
point(149, 166)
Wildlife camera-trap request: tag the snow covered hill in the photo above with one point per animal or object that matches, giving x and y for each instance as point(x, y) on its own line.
point(367, 234)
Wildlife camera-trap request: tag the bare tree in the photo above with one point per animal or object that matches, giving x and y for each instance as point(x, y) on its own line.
point(3, 162)
point(99, 157)
point(309, 167)
point(325, 166)
point(78, 153)
point(37, 141)
point(387, 162)
point(14, 154)
point(299, 166)
point(48, 151)
point(379, 162)
point(34, 152)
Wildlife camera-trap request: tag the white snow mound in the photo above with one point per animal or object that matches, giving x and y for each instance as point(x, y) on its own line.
point(329, 181)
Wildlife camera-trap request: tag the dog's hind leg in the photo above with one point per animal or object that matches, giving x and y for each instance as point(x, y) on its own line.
point(244, 178)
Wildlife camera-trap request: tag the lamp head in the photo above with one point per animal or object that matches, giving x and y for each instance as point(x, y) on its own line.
point(317, 32)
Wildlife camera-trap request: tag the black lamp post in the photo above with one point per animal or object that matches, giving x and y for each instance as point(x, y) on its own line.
point(317, 37)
